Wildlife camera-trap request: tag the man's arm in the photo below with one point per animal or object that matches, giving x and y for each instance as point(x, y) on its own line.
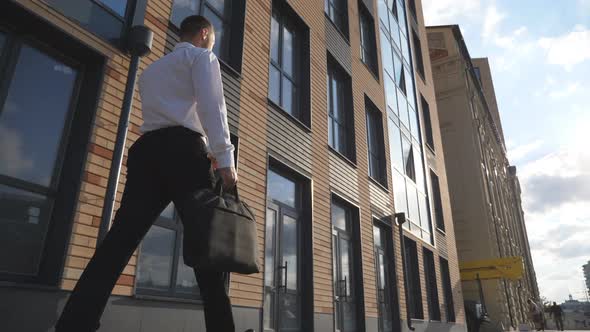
point(211, 107)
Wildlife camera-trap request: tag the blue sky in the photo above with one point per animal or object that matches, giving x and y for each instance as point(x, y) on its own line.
point(539, 52)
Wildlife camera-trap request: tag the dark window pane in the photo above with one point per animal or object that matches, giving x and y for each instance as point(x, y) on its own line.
point(288, 52)
point(282, 189)
point(24, 218)
point(219, 5)
point(414, 288)
point(118, 6)
point(289, 97)
point(289, 246)
point(395, 146)
point(427, 123)
point(437, 201)
point(290, 316)
point(419, 168)
point(431, 286)
point(399, 74)
point(185, 278)
point(274, 39)
point(274, 86)
point(183, 8)
point(31, 128)
point(447, 290)
point(155, 261)
point(220, 40)
point(408, 153)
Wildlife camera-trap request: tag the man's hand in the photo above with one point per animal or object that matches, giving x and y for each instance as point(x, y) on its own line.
point(228, 176)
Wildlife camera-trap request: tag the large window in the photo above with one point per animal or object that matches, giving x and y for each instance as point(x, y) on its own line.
point(427, 123)
point(405, 140)
point(33, 133)
point(346, 268)
point(340, 126)
point(161, 270)
point(414, 301)
point(288, 82)
point(431, 285)
point(447, 290)
point(418, 54)
point(226, 17)
point(368, 45)
point(437, 201)
point(377, 164)
point(337, 11)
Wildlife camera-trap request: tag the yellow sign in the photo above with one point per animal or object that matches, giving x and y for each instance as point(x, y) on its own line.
point(508, 268)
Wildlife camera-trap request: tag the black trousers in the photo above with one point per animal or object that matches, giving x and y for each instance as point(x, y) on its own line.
point(558, 322)
point(163, 165)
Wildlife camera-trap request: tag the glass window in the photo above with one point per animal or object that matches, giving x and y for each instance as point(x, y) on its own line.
point(390, 94)
point(413, 206)
point(414, 126)
point(419, 168)
point(399, 74)
point(185, 278)
point(400, 196)
point(285, 61)
point(418, 54)
point(405, 50)
point(437, 201)
point(340, 218)
point(403, 108)
point(408, 154)
point(289, 240)
point(375, 143)
point(337, 11)
point(395, 146)
point(431, 285)
point(154, 269)
point(447, 290)
point(424, 213)
point(410, 89)
point(386, 54)
point(427, 123)
point(118, 6)
point(394, 32)
point(414, 288)
point(339, 112)
point(217, 11)
point(401, 14)
point(282, 189)
point(31, 129)
point(368, 45)
point(383, 14)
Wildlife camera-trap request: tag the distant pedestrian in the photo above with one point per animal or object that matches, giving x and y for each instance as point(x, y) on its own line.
point(558, 316)
point(536, 315)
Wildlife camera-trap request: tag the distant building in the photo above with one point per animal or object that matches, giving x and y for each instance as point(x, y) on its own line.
point(587, 276)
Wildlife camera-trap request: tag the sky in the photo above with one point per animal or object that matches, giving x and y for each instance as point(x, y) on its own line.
point(539, 52)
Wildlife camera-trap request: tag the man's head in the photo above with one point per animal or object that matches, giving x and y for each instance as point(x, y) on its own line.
point(554, 303)
point(198, 31)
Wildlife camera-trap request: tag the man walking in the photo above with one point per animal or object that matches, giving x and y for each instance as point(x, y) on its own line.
point(557, 314)
point(185, 118)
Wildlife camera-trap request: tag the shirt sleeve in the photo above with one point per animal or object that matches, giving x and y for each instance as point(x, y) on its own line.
point(211, 107)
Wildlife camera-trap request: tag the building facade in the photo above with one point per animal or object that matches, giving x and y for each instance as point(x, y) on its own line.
point(333, 114)
point(485, 191)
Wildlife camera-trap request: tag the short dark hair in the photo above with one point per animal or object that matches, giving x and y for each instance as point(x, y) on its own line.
point(193, 24)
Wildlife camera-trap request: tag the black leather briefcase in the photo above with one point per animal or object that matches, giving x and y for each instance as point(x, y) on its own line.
point(219, 232)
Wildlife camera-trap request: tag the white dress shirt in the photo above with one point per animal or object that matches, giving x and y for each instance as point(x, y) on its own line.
point(184, 88)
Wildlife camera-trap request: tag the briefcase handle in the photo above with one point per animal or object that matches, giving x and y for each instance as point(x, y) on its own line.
point(219, 190)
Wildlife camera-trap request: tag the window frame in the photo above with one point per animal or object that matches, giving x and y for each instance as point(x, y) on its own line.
point(437, 201)
point(346, 110)
point(432, 296)
point(427, 120)
point(447, 290)
point(417, 49)
point(22, 28)
point(368, 52)
point(329, 4)
point(301, 61)
point(414, 303)
point(375, 117)
point(234, 36)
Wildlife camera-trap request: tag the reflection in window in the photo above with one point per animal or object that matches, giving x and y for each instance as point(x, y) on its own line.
point(285, 64)
point(185, 278)
point(23, 224)
point(218, 12)
point(155, 262)
point(118, 6)
point(408, 153)
point(375, 144)
point(400, 196)
point(282, 189)
point(339, 112)
point(337, 11)
point(31, 129)
point(368, 46)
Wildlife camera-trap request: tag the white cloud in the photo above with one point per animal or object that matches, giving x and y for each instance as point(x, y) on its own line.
point(492, 19)
point(567, 50)
point(568, 90)
point(439, 12)
point(517, 153)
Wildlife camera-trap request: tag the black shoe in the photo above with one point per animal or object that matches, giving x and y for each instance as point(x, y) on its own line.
point(249, 330)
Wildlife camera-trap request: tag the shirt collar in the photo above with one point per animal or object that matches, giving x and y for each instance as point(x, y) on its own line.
point(182, 45)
